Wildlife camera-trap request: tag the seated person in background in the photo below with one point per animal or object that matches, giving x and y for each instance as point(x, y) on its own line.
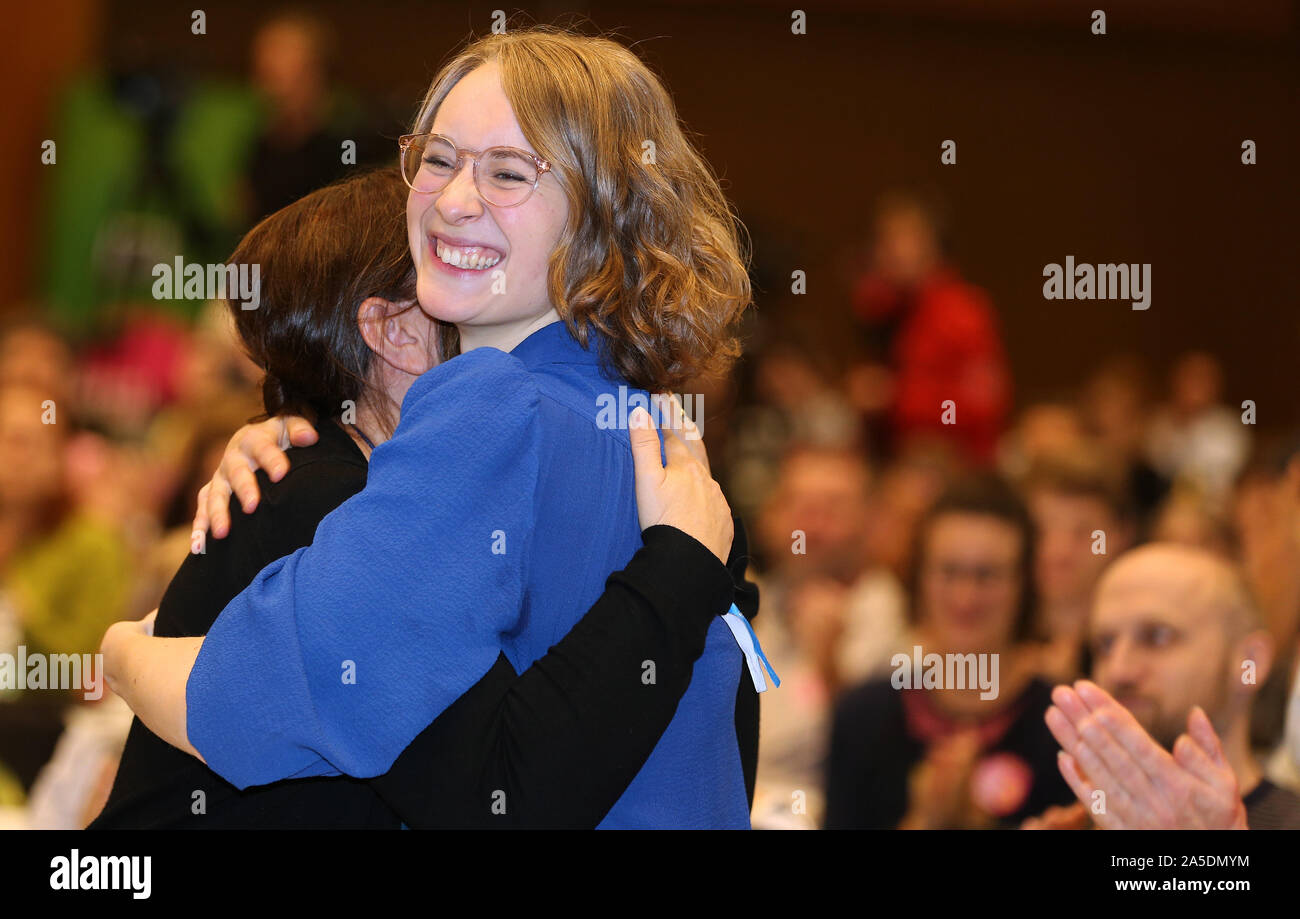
point(1176, 640)
point(65, 570)
point(830, 620)
point(934, 337)
point(1186, 517)
point(1196, 437)
point(1083, 521)
point(960, 742)
point(1266, 531)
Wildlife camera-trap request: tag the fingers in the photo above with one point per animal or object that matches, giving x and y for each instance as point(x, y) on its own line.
point(268, 455)
point(1072, 817)
point(300, 434)
point(243, 482)
point(1062, 729)
point(261, 446)
point(1069, 770)
point(1070, 715)
point(218, 505)
point(1215, 801)
point(201, 521)
point(1081, 752)
point(1069, 817)
point(1099, 736)
point(1201, 731)
point(1189, 754)
point(1074, 748)
point(677, 420)
point(645, 446)
point(676, 451)
point(1120, 724)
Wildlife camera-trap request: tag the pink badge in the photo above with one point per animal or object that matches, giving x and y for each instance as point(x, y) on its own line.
point(1000, 784)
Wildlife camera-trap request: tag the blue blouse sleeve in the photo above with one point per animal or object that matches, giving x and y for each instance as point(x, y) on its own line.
point(338, 655)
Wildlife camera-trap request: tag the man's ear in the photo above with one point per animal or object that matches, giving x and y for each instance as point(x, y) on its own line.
point(1257, 649)
point(398, 333)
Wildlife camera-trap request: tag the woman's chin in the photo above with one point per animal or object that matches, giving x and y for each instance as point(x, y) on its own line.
point(446, 305)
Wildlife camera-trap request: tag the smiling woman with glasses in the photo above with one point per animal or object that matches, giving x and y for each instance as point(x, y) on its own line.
point(573, 270)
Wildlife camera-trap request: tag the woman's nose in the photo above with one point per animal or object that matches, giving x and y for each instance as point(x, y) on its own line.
point(460, 199)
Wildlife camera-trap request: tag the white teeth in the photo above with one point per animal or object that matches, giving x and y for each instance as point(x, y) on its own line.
point(465, 258)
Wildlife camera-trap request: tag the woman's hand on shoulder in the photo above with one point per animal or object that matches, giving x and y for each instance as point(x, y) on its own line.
point(253, 447)
point(681, 494)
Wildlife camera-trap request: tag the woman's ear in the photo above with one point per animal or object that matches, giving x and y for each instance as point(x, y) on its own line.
point(1254, 659)
point(399, 334)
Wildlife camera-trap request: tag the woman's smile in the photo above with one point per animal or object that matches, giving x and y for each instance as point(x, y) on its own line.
point(463, 255)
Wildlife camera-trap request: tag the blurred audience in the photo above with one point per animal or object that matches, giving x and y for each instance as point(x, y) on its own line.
point(91, 487)
point(1195, 438)
point(66, 572)
point(936, 749)
point(1084, 520)
point(830, 618)
point(1189, 517)
point(790, 403)
point(1174, 632)
point(1116, 409)
point(1266, 515)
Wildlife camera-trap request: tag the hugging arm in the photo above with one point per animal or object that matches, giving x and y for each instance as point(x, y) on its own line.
point(338, 655)
point(557, 745)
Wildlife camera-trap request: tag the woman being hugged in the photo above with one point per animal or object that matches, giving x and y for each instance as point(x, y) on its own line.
point(562, 221)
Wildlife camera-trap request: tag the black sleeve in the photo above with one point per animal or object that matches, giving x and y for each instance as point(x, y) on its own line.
point(557, 746)
point(746, 600)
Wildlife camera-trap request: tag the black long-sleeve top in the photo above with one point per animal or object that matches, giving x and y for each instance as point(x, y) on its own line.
point(561, 741)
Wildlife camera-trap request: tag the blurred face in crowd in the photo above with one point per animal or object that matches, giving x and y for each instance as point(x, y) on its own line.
point(287, 66)
point(477, 114)
point(1114, 409)
point(1066, 567)
point(34, 357)
point(898, 502)
point(787, 380)
point(824, 495)
point(31, 452)
point(970, 582)
point(1048, 430)
point(905, 246)
point(1189, 522)
point(1196, 383)
point(1167, 634)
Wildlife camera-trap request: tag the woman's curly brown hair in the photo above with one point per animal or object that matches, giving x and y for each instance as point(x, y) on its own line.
point(651, 254)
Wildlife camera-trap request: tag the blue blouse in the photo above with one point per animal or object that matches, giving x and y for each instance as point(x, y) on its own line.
point(489, 523)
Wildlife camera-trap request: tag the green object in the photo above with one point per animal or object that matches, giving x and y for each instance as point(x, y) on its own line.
point(109, 222)
point(70, 587)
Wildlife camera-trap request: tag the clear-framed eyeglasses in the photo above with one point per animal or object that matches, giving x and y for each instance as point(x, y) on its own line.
point(508, 177)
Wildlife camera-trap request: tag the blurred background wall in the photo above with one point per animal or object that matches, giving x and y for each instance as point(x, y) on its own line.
point(1123, 147)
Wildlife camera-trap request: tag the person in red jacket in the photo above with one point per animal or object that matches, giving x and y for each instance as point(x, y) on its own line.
point(940, 368)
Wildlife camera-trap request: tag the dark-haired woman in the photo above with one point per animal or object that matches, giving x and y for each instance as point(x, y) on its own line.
point(339, 340)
